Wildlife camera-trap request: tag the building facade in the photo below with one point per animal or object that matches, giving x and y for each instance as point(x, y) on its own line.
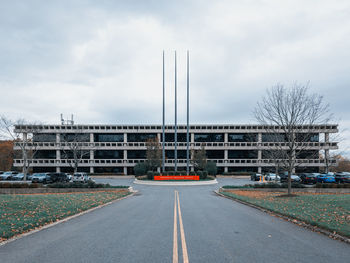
point(118, 148)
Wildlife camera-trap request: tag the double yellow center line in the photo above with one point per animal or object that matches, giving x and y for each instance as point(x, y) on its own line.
point(182, 232)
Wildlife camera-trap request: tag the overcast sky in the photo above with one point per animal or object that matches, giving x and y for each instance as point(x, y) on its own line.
point(102, 60)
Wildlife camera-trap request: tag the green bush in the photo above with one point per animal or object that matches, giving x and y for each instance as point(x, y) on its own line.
point(156, 174)
point(204, 175)
point(150, 175)
point(211, 168)
point(193, 173)
point(178, 173)
point(200, 174)
point(171, 173)
point(140, 169)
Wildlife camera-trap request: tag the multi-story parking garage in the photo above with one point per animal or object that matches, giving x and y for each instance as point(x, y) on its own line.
point(118, 148)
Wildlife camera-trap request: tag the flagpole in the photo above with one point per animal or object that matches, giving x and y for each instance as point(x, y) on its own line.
point(188, 114)
point(163, 139)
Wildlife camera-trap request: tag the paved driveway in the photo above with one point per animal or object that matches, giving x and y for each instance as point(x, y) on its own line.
point(141, 229)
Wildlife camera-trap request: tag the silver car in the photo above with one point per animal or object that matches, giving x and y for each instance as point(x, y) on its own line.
point(80, 178)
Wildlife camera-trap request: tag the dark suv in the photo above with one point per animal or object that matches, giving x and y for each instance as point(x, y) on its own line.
point(308, 178)
point(58, 178)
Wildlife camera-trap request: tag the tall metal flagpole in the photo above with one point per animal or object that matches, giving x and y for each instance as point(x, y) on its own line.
point(163, 139)
point(188, 115)
point(175, 135)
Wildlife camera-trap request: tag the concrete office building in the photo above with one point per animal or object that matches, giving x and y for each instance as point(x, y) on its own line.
point(118, 148)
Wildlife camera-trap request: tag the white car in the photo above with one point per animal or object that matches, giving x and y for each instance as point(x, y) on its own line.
point(272, 177)
point(80, 177)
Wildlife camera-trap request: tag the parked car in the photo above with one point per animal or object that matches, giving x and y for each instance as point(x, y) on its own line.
point(58, 178)
point(325, 178)
point(7, 175)
point(41, 178)
point(294, 178)
point(343, 177)
point(70, 177)
point(1, 172)
point(18, 177)
point(308, 178)
point(80, 178)
point(272, 177)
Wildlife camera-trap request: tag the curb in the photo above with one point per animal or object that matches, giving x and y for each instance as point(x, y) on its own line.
point(30, 232)
point(167, 183)
point(323, 231)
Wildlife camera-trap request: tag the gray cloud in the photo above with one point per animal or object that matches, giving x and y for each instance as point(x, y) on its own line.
point(102, 60)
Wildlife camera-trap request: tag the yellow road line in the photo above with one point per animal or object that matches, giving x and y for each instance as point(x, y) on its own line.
point(175, 250)
point(182, 232)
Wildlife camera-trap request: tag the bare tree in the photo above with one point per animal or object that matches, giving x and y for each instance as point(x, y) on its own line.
point(288, 114)
point(75, 147)
point(199, 158)
point(22, 140)
point(153, 153)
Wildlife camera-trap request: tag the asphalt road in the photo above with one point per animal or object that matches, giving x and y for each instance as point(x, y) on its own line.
point(141, 228)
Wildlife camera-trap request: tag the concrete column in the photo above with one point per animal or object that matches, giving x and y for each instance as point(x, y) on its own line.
point(125, 137)
point(225, 169)
point(92, 170)
point(225, 137)
point(259, 137)
point(25, 136)
point(159, 137)
point(192, 137)
point(326, 137)
point(259, 151)
point(58, 152)
point(92, 137)
point(92, 155)
point(125, 171)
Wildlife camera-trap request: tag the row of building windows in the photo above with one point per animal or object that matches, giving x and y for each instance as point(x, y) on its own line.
point(158, 127)
point(130, 170)
point(170, 137)
point(170, 154)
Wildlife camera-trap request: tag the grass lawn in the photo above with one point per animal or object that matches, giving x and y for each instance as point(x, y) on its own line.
point(328, 211)
point(21, 213)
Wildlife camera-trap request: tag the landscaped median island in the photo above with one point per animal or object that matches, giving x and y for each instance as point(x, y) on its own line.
point(329, 211)
point(21, 213)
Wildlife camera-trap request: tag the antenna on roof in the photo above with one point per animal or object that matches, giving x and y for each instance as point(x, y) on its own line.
point(67, 122)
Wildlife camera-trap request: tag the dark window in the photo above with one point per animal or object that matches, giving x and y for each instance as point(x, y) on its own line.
point(170, 154)
point(307, 137)
point(307, 155)
point(141, 137)
point(108, 137)
point(45, 154)
point(69, 154)
point(170, 137)
point(215, 154)
point(242, 137)
point(75, 137)
point(108, 154)
point(243, 169)
point(242, 154)
point(44, 169)
point(117, 170)
point(274, 137)
point(44, 137)
point(136, 154)
point(209, 137)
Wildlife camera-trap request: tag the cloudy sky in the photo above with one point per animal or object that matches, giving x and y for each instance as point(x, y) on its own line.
point(102, 60)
